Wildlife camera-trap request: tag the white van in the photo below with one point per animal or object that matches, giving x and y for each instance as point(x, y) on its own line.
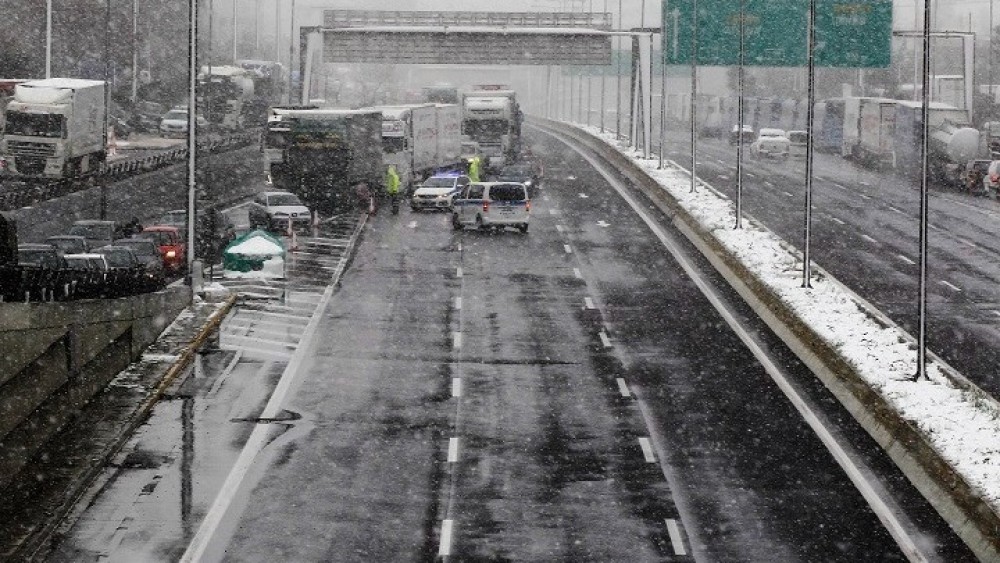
point(492, 205)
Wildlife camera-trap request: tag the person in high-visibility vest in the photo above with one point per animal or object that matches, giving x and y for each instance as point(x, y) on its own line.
point(392, 188)
point(474, 168)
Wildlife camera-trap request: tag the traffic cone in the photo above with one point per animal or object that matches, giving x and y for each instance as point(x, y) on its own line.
point(112, 142)
point(291, 233)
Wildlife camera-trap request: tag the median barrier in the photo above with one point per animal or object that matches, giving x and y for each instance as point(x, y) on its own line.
point(960, 504)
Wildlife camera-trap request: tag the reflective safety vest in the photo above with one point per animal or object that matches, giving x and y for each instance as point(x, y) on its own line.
point(391, 181)
point(474, 169)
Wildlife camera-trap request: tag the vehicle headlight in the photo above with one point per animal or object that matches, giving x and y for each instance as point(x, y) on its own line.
point(171, 254)
point(527, 183)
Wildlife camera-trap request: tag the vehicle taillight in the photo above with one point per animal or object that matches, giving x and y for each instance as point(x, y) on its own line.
point(486, 206)
point(527, 206)
point(995, 178)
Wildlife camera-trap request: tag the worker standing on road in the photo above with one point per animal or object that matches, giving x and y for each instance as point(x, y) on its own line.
point(392, 187)
point(474, 168)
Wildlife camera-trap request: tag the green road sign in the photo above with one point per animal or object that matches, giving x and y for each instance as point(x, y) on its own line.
point(849, 33)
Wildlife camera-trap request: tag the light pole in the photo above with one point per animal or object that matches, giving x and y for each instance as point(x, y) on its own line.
point(135, 53)
point(924, 197)
point(107, 104)
point(291, 51)
point(604, 75)
point(234, 32)
point(192, 125)
point(618, 71)
point(48, 39)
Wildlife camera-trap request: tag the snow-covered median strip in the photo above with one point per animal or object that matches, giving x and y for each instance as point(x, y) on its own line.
point(959, 421)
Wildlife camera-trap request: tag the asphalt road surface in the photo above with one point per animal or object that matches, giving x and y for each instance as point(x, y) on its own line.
point(567, 394)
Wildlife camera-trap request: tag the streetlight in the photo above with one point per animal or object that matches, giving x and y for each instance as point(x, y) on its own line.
point(48, 39)
point(107, 104)
point(192, 124)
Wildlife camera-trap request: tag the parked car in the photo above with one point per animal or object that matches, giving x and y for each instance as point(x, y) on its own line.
point(172, 248)
point(44, 275)
point(148, 254)
point(69, 244)
point(274, 210)
point(97, 233)
point(175, 218)
point(437, 191)
point(174, 123)
point(146, 116)
point(126, 273)
point(747, 137)
point(771, 143)
point(492, 205)
point(522, 173)
point(90, 272)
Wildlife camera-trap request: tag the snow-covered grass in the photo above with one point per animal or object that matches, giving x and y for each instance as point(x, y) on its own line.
point(962, 424)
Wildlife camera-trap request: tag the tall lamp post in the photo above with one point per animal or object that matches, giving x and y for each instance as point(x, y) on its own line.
point(192, 125)
point(48, 39)
point(107, 104)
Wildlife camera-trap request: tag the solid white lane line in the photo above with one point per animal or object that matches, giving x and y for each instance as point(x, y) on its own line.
point(577, 274)
point(568, 249)
point(456, 387)
point(588, 303)
point(458, 272)
point(604, 339)
point(446, 529)
point(837, 221)
point(458, 303)
point(869, 239)
point(623, 388)
point(647, 450)
point(951, 285)
point(906, 259)
point(456, 340)
point(886, 514)
point(675, 537)
point(559, 228)
point(453, 450)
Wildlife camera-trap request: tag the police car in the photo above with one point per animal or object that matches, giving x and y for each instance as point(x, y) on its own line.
point(437, 191)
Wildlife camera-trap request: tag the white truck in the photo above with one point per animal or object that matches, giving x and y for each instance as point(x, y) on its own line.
point(876, 132)
point(420, 138)
point(54, 128)
point(492, 117)
point(225, 96)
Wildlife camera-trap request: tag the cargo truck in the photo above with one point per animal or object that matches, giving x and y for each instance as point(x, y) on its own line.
point(225, 95)
point(54, 129)
point(321, 154)
point(875, 132)
point(492, 117)
point(419, 139)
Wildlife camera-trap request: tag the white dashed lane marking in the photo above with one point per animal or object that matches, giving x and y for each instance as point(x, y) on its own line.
point(837, 221)
point(675, 537)
point(559, 228)
point(456, 340)
point(446, 529)
point(951, 286)
point(905, 259)
point(456, 387)
point(577, 273)
point(647, 450)
point(458, 272)
point(568, 249)
point(588, 303)
point(604, 339)
point(869, 239)
point(623, 388)
point(458, 303)
point(453, 450)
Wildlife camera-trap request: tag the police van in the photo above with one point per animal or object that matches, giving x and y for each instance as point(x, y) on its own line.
point(492, 205)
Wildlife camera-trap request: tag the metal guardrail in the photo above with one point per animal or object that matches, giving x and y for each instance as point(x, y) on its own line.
point(15, 194)
point(365, 18)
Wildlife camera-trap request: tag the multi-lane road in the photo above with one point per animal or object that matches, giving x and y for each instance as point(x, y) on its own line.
point(590, 391)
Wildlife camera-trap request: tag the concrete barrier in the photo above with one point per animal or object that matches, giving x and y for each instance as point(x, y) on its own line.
point(56, 356)
point(975, 521)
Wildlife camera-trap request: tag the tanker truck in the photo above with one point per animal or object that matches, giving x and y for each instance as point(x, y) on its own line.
point(54, 128)
point(492, 117)
point(320, 154)
point(952, 142)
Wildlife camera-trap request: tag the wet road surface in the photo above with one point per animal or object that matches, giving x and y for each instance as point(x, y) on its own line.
point(568, 394)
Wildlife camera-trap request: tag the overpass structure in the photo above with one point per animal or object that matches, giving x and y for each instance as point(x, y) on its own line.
point(478, 38)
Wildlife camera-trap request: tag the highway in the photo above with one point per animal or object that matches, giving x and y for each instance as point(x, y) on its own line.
point(590, 391)
point(865, 232)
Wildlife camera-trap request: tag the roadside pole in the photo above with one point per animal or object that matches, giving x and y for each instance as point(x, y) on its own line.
point(924, 196)
point(192, 125)
point(740, 117)
point(694, 96)
point(618, 72)
point(810, 116)
point(663, 95)
point(604, 74)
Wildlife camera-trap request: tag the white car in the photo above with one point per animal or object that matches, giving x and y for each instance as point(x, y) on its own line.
point(798, 143)
point(175, 123)
point(274, 211)
point(771, 143)
point(437, 191)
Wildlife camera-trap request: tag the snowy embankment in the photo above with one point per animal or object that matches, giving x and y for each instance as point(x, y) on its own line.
point(960, 421)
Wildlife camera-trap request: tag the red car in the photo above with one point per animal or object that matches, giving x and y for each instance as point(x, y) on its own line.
point(172, 248)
